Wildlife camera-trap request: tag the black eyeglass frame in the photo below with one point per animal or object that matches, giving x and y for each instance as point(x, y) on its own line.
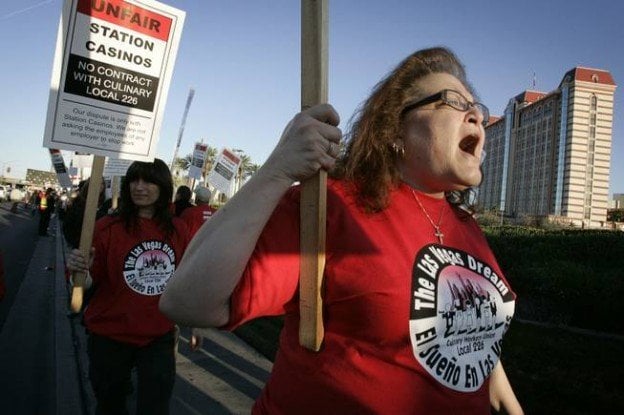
point(442, 96)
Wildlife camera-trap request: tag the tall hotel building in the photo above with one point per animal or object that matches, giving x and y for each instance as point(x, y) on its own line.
point(549, 154)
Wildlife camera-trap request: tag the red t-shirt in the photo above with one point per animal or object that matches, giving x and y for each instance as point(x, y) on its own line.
point(129, 273)
point(411, 326)
point(195, 216)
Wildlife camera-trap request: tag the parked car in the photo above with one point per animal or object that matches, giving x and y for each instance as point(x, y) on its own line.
point(3, 192)
point(16, 195)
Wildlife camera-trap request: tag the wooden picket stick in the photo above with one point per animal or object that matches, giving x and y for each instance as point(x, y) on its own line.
point(314, 17)
point(86, 235)
point(115, 192)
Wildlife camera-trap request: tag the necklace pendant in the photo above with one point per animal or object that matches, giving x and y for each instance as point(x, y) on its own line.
point(440, 235)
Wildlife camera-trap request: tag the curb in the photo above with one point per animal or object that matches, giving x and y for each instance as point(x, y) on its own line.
point(73, 391)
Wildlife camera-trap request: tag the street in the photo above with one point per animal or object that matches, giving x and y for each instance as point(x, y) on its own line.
point(27, 326)
point(18, 235)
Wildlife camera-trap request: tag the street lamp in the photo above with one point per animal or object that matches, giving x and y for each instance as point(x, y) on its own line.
point(6, 167)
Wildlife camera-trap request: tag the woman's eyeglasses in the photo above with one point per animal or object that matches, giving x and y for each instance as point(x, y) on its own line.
point(454, 100)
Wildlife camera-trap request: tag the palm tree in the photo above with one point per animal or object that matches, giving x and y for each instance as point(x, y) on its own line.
point(245, 162)
point(245, 169)
point(211, 155)
point(179, 170)
point(181, 164)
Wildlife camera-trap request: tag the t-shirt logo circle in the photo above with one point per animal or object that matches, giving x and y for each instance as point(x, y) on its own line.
point(148, 266)
point(460, 310)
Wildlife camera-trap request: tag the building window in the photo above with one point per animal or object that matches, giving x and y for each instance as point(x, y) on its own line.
point(591, 143)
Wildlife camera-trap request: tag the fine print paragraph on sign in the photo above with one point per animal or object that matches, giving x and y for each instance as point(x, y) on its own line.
point(102, 129)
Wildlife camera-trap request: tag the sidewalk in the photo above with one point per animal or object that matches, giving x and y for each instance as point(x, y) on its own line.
point(224, 377)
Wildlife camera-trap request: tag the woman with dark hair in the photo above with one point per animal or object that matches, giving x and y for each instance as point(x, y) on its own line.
point(402, 253)
point(134, 255)
point(182, 200)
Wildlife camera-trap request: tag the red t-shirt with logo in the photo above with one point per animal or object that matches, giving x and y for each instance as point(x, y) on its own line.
point(195, 216)
point(130, 272)
point(411, 326)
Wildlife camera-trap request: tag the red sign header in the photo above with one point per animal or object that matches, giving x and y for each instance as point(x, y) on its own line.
point(122, 13)
point(233, 158)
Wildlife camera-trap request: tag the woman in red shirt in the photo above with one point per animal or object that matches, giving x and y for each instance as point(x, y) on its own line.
point(415, 304)
point(135, 253)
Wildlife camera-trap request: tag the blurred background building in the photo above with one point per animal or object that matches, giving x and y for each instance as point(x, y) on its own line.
point(549, 155)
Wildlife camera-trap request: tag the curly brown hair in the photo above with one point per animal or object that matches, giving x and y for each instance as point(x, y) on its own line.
point(369, 161)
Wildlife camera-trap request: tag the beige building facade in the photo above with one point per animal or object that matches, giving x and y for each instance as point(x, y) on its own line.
point(549, 155)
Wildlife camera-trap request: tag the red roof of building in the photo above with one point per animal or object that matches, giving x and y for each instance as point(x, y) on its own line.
point(493, 119)
point(578, 73)
point(529, 96)
point(599, 76)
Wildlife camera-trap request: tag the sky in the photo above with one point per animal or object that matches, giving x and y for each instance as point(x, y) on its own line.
point(242, 57)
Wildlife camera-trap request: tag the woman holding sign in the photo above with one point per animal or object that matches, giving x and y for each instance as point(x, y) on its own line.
point(415, 303)
point(134, 255)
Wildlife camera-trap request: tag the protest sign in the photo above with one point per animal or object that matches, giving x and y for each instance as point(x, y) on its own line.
point(60, 169)
point(110, 78)
point(223, 173)
point(112, 68)
point(82, 161)
point(198, 160)
point(116, 167)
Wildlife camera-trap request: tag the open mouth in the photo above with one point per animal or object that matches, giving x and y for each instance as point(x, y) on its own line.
point(469, 144)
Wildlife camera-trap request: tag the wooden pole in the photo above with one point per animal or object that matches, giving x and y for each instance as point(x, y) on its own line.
point(115, 192)
point(314, 18)
point(86, 235)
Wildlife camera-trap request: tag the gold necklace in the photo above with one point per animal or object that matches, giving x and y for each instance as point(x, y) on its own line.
point(438, 233)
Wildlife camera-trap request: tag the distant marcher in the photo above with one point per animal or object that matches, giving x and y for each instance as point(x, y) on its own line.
point(195, 216)
point(46, 209)
point(33, 201)
point(62, 205)
point(37, 196)
point(182, 200)
point(74, 214)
